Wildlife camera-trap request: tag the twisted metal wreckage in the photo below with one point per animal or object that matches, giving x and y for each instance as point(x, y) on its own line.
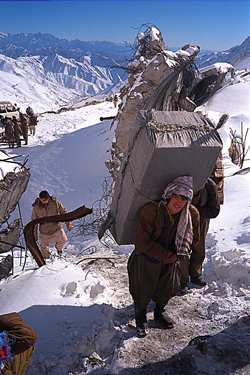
point(155, 117)
point(12, 186)
point(161, 80)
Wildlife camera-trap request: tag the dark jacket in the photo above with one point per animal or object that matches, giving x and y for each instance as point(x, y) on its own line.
point(23, 123)
point(151, 222)
point(20, 333)
point(9, 129)
point(207, 200)
point(218, 177)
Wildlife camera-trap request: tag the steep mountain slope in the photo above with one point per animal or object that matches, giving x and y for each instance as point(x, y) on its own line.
point(23, 81)
point(49, 72)
point(52, 81)
point(102, 53)
point(238, 56)
point(84, 77)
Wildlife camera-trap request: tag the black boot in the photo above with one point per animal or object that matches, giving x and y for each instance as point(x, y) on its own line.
point(163, 321)
point(182, 291)
point(141, 323)
point(198, 282)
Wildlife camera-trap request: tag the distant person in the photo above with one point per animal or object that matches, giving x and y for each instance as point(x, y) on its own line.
point(49, 233)
point(9, 132)
point(32, 120)
point(30, 111)
point(24, 128)
point(17, 340)
point(17, 131)
point(32, 124)
point(115, 100)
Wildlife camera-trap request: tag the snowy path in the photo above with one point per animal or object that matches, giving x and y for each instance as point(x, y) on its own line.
point(66, 157)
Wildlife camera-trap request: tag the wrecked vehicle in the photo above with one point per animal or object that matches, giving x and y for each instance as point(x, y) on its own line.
point(14, 180)
point(158, 134)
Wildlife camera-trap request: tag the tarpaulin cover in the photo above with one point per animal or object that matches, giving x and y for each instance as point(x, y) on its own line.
point(167, 144)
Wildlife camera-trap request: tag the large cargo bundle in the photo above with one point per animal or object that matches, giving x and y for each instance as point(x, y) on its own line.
point(166, 145)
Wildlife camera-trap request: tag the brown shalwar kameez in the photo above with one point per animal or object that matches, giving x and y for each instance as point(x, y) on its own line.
point(151, 267)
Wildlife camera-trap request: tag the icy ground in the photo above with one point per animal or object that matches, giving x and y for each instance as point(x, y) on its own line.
point(85, 308)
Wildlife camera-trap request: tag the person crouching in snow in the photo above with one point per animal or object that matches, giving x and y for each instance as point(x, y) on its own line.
point(49, 233)
point(17, 340)
point(164, 232)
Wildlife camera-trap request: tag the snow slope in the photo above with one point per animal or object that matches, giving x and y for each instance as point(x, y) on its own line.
point(23, 81)
point(229, 232)
point(68, 307)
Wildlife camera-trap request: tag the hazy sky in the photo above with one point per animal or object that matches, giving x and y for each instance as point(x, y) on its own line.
point(211, 24)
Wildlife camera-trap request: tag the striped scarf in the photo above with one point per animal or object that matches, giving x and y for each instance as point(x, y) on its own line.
point(182, 185)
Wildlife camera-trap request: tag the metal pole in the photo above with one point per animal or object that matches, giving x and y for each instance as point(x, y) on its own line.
point(22, 226)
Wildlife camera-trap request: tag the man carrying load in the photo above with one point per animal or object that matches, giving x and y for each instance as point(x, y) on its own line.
point(164, 233)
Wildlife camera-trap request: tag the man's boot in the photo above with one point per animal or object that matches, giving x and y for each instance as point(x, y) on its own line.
point(182, 291)
point(163, 321)
point(198, 282)
point(141, 323)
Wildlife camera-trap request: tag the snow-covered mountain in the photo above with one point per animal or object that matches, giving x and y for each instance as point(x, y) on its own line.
point(84, 76)
point(51, 81)
point(47, 72)
point(238, 56)
point(24, 81)
point(33, 44)
point(83, 66)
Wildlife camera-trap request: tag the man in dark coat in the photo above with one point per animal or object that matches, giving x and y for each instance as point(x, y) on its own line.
point(164, 233)
point(9, 132)
point(32, 124)
point(20, 339)
point(24, 128)
point(115, 100)
point(207, 203)
point(17, 131)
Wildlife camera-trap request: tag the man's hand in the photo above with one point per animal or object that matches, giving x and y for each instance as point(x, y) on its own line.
point(169, 258)
point(69, 226)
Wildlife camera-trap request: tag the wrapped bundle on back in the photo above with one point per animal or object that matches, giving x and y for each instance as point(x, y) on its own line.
point(166, 145)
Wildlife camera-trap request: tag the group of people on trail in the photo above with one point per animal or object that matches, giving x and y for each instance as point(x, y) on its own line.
point(18, 128)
